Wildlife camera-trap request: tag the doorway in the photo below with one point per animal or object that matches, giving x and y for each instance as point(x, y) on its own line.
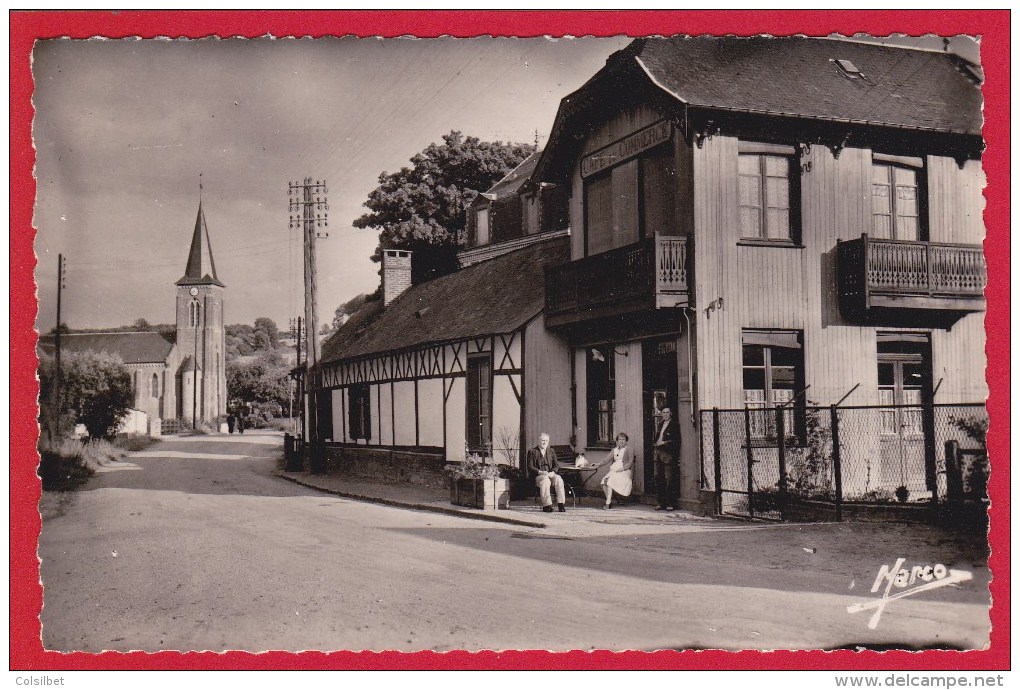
point(659, 390)
point(904, 386)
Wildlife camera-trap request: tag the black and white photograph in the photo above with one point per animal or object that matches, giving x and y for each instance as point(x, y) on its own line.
point(670, 342)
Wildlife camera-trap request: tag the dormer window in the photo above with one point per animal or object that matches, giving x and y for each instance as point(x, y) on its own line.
point(482, 226)
point(848, 69)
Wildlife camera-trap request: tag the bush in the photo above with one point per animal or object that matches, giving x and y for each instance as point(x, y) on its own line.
point(96, 387)
point(63, 465)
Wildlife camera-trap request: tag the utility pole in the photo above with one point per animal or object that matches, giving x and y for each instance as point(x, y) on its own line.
point(309, 210)
point(58, 378)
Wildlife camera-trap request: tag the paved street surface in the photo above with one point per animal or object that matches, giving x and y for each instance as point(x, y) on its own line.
point(195, 544)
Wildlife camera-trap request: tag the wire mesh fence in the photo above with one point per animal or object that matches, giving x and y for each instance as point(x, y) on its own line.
point(761, 461)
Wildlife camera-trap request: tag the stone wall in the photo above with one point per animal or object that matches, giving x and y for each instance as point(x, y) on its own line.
point(383, 464)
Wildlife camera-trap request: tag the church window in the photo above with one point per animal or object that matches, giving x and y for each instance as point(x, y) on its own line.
point(193, 314)
point(155, 386)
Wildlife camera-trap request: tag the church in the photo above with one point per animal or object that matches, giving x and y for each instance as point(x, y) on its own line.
point(178, 375)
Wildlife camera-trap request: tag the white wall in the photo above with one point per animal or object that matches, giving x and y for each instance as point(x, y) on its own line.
point(385, 413)
point(506, 415)
point(430, 412)
point(403, 413)
point(455, 421)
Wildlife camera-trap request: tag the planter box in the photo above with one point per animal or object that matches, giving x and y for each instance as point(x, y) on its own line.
point(486, 494)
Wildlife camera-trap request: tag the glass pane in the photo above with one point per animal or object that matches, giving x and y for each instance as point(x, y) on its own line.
point(784, 356)
point(778, 223)
point(913, 376)
point(907, 228)
point(750, 191)
point(750, 222)
point(880, 174)
point(777, 192)
point(750, 165)
point(886, 377)
point(777, 166)
point(754, 379)
point(754, 355)
point(882, 226)
point(905, 176)
point(880, 198)
point(783, 378)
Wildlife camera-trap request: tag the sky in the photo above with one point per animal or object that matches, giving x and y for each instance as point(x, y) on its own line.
point(124, 128)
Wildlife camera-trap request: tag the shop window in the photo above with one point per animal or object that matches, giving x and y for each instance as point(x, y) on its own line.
point(773, 374)
point(479, 402)
point(601, 387)
point(359, 412)
point(898, 198)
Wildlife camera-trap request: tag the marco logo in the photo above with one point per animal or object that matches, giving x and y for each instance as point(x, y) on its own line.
point(920, 578)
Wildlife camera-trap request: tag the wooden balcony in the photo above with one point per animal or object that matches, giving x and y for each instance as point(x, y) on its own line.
point(650, 274)
point(889, 278)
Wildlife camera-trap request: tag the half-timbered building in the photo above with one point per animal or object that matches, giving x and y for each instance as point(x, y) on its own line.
point(461, 363)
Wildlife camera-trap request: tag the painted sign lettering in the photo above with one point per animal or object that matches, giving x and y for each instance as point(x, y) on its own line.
point(625, 148)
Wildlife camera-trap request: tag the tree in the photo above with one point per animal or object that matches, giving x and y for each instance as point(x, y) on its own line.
point(421, 208)
point(263, 380)
point(141, 325)
point(266, 325)
point(95, 391)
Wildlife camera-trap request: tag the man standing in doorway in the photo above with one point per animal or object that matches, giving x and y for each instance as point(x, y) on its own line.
point(667, 442)
point(542, 465)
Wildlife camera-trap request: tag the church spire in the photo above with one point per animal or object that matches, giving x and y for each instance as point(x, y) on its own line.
point(201, 268)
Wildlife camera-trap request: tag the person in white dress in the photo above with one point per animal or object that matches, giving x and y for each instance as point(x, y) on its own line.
point(619, 479)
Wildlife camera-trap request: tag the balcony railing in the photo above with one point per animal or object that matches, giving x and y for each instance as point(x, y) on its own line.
point(878, 274)
point(649, 274)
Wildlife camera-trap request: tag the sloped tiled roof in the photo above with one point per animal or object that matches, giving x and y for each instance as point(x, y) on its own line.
point(799, 76)
point(495, 296)
point(886, 89)
point(514, 179)
point(134, 347)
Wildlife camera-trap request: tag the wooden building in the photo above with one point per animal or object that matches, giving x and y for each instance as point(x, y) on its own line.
point(761, 222)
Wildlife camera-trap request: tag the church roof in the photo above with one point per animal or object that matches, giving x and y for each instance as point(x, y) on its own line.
point(201, 269)
point(491, 297)
point(134, 347)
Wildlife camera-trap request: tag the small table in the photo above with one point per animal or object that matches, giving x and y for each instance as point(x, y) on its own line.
point(574, 478)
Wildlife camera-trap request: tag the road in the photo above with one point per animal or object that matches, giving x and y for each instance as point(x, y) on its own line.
point(194, 544)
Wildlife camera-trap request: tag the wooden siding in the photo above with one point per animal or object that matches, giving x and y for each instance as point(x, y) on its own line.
point(955, 201)
point(795, 288)
point(546, 386)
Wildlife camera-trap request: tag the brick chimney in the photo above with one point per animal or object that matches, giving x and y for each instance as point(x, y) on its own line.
point(396, 273)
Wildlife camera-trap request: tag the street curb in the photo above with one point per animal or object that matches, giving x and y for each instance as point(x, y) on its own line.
point(414, 506)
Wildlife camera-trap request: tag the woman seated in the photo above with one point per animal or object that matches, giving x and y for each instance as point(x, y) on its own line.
point(618, 478)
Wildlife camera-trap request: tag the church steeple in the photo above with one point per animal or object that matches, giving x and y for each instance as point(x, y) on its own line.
point(201, 269)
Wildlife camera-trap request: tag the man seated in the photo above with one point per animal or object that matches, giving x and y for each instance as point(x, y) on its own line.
point(542, 465)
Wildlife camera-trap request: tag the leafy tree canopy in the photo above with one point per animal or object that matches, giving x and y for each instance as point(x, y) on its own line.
point(95, 389)
point(421, 208)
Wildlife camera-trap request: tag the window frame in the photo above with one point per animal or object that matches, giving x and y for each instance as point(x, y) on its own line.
point(762, 151)
point(795, 409)
point(593, 410)
point(484, 414)
point(920, 170)
point(359, 412)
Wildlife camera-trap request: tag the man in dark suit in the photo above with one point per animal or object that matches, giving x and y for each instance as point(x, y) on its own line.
point(542, 465)
point(667, 444)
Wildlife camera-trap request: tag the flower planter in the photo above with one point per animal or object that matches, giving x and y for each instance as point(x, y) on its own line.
point(485, 494)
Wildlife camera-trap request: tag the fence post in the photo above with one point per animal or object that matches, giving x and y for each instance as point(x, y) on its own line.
point(930, 471)
point(781, 437)
point(717, 456)
point(954, 473)
point(750, 462)
point(837, 464)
